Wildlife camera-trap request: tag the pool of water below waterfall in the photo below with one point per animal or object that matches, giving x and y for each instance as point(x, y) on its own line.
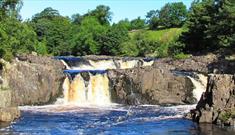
point(104, 120)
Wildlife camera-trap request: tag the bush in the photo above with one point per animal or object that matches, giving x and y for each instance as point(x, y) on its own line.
point(181, 56)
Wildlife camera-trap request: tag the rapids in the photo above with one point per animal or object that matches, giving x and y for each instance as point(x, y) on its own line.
point(86, 106)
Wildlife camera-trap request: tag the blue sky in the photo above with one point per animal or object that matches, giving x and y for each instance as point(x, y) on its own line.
point(121, 9)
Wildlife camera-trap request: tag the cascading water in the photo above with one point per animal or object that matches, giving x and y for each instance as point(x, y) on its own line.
point(92, 91)
point(199, 84)
point(88, 85)
point(93, 88)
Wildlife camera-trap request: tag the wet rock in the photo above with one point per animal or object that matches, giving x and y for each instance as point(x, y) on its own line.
point(150, 85)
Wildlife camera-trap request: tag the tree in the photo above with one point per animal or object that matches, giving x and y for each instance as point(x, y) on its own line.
point(10, 8)
point(111, 41)
point(16, 38)
point(77, 19)
point(55, 29)
point(102, 13)
point(211, 25)
point(137, 23)
point(173, 15)
point(85, 39)
point(125, 23)
point(153, 19)
point(48, 13)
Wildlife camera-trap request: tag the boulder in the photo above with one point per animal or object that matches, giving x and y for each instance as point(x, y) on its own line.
point(150, 85)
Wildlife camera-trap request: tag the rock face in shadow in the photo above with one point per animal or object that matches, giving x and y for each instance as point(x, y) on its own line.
point(34, 80)
point(150, 85)
point(218, 102)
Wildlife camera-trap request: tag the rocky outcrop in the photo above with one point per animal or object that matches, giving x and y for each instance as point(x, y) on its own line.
point(200, 64)
point(150, 86)
point(205, 64)
point(33, 79)
point(217, 104)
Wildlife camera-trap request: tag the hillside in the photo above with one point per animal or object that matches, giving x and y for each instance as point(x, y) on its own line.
point(153, 43)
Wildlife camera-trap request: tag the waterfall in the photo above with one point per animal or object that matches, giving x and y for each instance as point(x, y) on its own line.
point(92, 91)
point(128, 64)
point(87, 81)
point(199, 82)
point(98, 89)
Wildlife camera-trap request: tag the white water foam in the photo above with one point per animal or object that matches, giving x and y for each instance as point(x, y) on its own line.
point(199, 84)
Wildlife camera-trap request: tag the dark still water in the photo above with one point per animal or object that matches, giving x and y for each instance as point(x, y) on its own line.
point(110, 120)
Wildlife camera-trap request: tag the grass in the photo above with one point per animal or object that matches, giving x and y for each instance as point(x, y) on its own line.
point(162, 36)
point(158, 42)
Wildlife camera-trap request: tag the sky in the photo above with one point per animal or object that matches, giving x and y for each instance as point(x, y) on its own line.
point(121, 9)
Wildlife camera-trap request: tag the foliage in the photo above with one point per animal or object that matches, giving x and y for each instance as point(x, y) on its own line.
point(10, 8)
point(16, 38)
point(102, 13)
point(53, 28)
point(77, 19)
point(85, 40)
point(129, 48)
point(157, 43)
point(181, 55)
point(171, 15)
point(125, 23)
point(111, 41)
point(211, 25)
point(48, 13)
point(137, 23)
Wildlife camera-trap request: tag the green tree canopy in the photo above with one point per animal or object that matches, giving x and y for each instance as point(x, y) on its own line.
point(111, 41)
point(48, 13)
point(137, 23)
point(102, 13)
point(85, 39)
point(55, 29)
point(211, 25)
point(16, 38)
point(10, 8)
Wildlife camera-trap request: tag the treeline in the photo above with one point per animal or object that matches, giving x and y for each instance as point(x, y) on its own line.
point(207, 25)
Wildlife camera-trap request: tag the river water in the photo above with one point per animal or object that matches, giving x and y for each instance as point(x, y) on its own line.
point(112, 119)
point(86, 108)
point(108, 120)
